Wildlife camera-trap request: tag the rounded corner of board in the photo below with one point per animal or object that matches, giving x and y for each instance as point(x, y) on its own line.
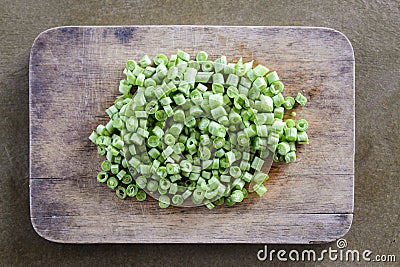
point(41, 38)
point(346, 221)
point(44, 234)
point(344, 38)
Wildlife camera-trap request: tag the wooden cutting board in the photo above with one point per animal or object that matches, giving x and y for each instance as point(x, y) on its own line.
point(73, 77)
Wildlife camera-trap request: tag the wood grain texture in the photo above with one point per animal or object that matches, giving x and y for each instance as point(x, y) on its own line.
point(74, 74)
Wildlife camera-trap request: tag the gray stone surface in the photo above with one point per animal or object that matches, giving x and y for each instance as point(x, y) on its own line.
point(371, 26)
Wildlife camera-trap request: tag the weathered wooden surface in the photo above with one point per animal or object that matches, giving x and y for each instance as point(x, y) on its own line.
point(74, 74)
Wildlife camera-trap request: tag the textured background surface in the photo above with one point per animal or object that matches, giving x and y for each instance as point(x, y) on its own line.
point(371, 26)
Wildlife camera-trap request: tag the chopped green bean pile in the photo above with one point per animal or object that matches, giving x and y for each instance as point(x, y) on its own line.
point(196, 132)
